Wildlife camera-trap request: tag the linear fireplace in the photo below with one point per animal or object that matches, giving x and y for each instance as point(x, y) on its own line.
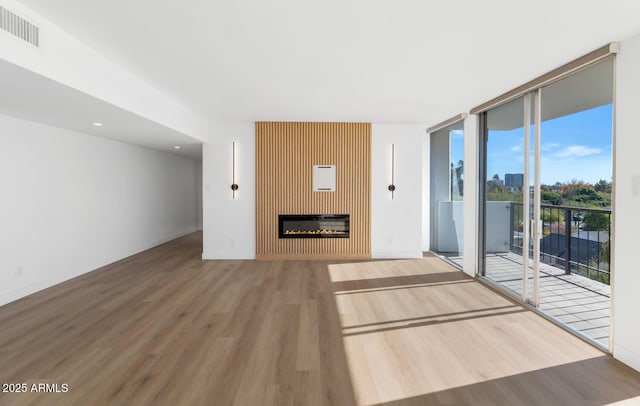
point(313, 226)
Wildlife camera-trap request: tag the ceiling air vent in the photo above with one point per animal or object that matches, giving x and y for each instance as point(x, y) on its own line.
point(18, 26)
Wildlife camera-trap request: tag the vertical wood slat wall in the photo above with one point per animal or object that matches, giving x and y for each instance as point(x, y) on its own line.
point(285, 155)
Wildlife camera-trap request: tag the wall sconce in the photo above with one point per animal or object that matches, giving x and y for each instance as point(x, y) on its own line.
point(234, 185)
point(392, 187)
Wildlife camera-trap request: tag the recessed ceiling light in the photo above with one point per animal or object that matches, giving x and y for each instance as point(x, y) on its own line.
point(176, 147)
point(97, 124)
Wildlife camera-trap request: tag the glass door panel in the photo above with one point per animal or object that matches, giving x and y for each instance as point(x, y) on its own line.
point(505, 239)
point(447, 192)
point(575, 210)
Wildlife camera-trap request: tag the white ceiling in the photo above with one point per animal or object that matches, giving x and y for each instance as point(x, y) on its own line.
point(382, 61)
point(33, 97)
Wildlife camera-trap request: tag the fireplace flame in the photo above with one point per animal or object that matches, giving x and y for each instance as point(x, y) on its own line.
point(312, 232)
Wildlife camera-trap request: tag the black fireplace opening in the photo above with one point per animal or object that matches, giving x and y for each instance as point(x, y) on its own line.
point(313, 226)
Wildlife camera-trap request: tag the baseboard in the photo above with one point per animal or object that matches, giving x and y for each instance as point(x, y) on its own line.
point(170, 238)
point(24, 291)
point(311, 257)
point(207, 256)
point(396, 255)
point(12, 296)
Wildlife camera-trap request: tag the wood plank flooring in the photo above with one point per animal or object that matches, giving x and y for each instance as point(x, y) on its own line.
point(165, 328)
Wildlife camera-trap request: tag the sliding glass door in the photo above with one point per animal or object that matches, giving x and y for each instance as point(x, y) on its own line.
point(546, 205)
point(447, 192)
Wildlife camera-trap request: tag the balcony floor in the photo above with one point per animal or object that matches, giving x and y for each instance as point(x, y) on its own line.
point(579, 302)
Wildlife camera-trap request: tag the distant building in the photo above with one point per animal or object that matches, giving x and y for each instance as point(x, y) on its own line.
point(513, 180)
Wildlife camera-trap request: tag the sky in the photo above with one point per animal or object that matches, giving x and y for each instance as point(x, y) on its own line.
point(576, 146)
point(456, 139)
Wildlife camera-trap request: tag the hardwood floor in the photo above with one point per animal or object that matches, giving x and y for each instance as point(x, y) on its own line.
point(165, 328)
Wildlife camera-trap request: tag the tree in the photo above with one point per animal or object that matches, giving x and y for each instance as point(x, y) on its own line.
point(570, 190)
point(551, 216)
point(605, 252)
point(459, 171)
point(554, 198)
point(494, 185)
point(602, 186)
point(586, 194)
point(594, 221)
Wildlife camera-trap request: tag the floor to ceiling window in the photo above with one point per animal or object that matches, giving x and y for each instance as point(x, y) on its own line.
point(447, 183)
point(546, 186)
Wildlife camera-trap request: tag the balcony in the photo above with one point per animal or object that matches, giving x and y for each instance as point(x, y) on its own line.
point(574, 264)
point(573, 239)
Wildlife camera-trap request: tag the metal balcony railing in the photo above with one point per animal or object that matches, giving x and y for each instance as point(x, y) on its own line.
point(573, 238)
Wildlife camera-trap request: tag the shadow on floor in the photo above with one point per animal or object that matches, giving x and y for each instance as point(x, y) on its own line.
point(400, 281)
point(595, 381)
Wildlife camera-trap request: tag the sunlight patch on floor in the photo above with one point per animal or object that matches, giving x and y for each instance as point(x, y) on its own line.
point(407, 340)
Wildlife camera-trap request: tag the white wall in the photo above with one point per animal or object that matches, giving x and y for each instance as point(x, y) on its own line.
point(72, 203)
point(229, 225)
point(626, 269)
point(396, 225)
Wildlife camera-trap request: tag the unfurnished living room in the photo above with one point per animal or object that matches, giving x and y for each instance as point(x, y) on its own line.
point(332, 203)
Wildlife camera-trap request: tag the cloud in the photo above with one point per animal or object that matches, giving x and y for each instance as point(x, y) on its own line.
point(545, 147)
point(549, 146)
point(577, 150)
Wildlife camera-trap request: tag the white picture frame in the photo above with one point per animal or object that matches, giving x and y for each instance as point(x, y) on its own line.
point(324, 178)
